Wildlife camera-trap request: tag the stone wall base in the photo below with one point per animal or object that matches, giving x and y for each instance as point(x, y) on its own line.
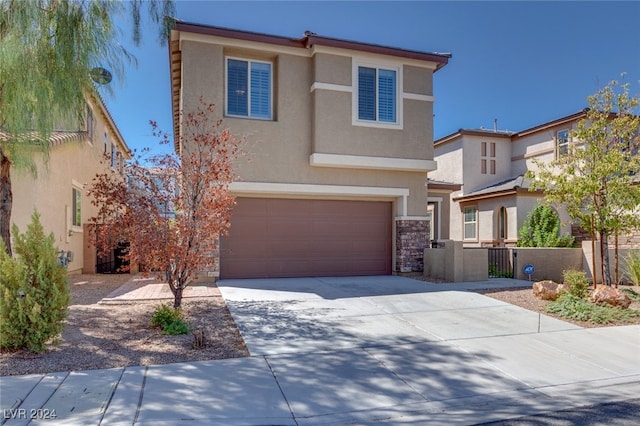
point(412, 237)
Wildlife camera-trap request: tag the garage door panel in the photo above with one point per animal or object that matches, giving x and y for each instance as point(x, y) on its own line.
point(254, 207)
point(331, 229)
point(289, 227)
point(339, 266)
point(377, 267)
point(248, 251)
point(287, 249)
point(289, 268)
point(246, 227)
point(250, 268)
point(364, 249)
point(330, 248)
point(294, 238)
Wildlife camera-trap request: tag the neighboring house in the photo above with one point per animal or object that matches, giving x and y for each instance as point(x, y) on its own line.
point(341, 143)
point(58, 192)
point(489, 165)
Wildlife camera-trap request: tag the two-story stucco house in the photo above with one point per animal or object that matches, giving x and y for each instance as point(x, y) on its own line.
point(493, 199)
point(341, 143)
point(58, 192)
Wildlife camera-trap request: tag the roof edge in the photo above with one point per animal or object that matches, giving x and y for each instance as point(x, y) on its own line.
point(309, 39)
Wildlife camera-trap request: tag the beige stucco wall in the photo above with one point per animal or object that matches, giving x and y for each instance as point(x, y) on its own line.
point(318, 121)
point(536, 147)
point(71, 164)
point(450, 165)
point(549, 263)
point(455, 264)
point(587, 261)
point(472, 148)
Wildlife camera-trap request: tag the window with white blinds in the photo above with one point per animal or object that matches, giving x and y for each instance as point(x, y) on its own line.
point(249, 89)
point(377, 94)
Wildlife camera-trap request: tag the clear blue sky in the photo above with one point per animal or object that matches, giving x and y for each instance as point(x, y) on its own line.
point(524, 63)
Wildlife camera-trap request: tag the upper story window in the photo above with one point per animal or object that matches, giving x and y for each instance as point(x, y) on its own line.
point(249, 89)
point(488, 158)
point(113, 156)
point(105, 142)
point(562, 142)
point(377, 96)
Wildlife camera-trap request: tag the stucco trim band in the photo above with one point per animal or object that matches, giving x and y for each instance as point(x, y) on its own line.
point(301, 189)
point(330, 86)
point(317, 85)
point(418, 97)
point(371, 163)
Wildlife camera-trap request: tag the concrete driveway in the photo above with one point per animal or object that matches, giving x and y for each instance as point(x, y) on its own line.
point(366, 350)
point(396, 350)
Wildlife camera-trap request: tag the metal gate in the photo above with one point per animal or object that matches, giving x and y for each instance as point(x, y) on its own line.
point(113, 263)
point(501, 264)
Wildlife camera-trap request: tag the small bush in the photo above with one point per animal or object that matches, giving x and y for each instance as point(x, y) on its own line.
point(576, 283)
point(632, 266)
point(170, 320)
point(34, 293)
point(572, 307)
point(176, 328)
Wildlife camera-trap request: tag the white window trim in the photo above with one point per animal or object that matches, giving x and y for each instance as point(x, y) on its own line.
point(356, 63)
point(438, 210)
point(464, 223)
point(226, 91)
point(77, 186)
point(557, 140)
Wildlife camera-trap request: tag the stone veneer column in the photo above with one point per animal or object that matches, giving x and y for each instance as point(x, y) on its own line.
point(412, 237)
point(212, 269)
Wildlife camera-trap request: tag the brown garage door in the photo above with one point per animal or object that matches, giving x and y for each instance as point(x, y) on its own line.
point(305, 238)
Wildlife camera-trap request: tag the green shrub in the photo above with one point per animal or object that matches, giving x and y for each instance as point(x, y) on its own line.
point(170, 320)
point(632, 266)
point(576, 283)
point(572, 307)
point(542, 229)
point(34, 290)
point(176, 328)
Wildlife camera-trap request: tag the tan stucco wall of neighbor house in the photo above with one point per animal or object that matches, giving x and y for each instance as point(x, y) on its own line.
point(73, 162)
point(472, 148)
point(549, 263)
point(450, 164)
point(314, 146)
point(532, 148)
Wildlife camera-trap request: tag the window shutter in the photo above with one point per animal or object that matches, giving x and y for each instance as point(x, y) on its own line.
point(237, 90)
point(366, 93)
point(387, 95)
point(260, 90)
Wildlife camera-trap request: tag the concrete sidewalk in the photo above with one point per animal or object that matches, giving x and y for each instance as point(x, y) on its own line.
point(366, 350)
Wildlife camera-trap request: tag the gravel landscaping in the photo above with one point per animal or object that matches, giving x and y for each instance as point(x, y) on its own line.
point(98, 336)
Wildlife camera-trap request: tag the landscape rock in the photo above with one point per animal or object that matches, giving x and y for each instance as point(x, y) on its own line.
point(546, 290)
point(604, 294)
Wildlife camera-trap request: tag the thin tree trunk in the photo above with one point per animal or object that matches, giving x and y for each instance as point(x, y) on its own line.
point(177, 296)
point(604, 255)
point(6, 201)
point(593, 255)
point(617, 277)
